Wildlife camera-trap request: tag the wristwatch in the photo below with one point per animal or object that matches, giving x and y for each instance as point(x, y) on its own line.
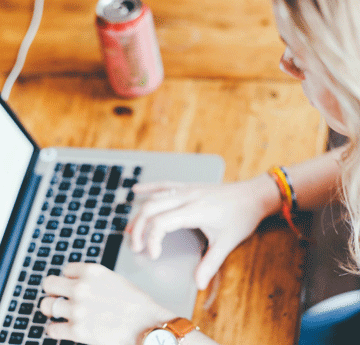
point(171, 333)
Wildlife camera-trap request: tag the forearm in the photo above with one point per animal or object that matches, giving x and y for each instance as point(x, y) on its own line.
point(315, 183)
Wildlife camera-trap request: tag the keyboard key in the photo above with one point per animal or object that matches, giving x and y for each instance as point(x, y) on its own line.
point(29, 342)
point(43, 252)
point(130, 197)
point(111, 251)
point(83, 230)
point(27, 261)
point(104, 211)
point(3, 336)
point(94, 191)
point(129, 182)
point(39, 302)
point(99, 173)
point(22, 276)
point(17, 291)
point(36, 234)
point(57, 260)
point(35, 279)
point(7, 321)
point(69, 170)
point(26, 308)
point(114, 178)
point(70, 219)
point(85, 168)
point(93, 251)
point(87, 217)
point(65, 232)
point(78, 193)
point(41, 219)
point(91, 203)
point(56, 211)
point(58, 167)
point(66, 342)
point(53, 272)
point(21, 323)
point(79, 244)
point(45, 206)
point(119, 223)
point(82, 180)
point(39, 317)
point(55, 179)
point(48, 238)
point(39, 265)
point(36, 332)
point(32, 247)
point(74, 206)
point(52, 225)
point(100, 224)
point(75, 257)
point(108, 198)
point(50, 342)
point(12, 305)
point(97, 238)
point(64, 186)
point(49, 193)
point(62, 246)
point(137, 171)
point(60, 198)
point(123, 209)
point(30, 294)
point(16, 338)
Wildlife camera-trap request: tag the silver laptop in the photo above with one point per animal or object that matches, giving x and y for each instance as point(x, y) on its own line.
point(61, 205)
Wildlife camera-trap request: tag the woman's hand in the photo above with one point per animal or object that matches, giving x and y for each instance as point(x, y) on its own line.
point(226, 214)
point(102, 308)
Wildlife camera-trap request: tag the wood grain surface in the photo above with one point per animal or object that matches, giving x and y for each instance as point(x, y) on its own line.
point(223, 93)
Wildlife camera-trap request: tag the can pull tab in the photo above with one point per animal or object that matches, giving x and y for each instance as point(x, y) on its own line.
point(123, 7)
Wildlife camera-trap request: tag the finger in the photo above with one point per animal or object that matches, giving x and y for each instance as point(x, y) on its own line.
point(58, 286)
point(61, 330)
point(211, 263)
point(154, 187)
point(137, 228)
point(180, 218)
point(81, 269)
point(56, 307)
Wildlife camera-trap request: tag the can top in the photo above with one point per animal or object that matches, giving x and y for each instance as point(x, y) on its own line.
point(118, 11)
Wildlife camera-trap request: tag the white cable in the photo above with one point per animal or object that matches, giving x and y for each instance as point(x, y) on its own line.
point(24, 48)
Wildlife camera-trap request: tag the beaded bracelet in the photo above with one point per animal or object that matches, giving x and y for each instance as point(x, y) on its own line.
point(288, 197)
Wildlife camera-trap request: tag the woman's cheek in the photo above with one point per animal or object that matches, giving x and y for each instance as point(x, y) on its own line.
point(326, 103)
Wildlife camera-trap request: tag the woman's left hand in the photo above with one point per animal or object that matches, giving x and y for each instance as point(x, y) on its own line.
point(102, 308)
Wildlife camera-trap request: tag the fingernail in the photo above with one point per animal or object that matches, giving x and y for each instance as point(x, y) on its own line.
point(155, 254)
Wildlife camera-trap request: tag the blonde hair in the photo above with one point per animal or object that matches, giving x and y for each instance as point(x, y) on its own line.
point(330, 30)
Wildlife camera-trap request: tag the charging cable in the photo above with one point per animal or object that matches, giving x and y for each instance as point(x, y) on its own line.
point(24, 48)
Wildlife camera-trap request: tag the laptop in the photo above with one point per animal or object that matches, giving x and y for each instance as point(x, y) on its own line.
point(61, 205)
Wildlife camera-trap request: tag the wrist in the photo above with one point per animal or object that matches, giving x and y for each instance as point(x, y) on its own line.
point(269, 196)
point(172, 332)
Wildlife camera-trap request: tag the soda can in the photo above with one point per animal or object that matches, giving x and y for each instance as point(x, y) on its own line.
point(130, 48)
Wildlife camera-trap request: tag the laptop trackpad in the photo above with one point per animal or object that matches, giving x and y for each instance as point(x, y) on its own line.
point(170, 279)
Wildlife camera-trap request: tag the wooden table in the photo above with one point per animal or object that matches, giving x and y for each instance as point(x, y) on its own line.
point(223, 94)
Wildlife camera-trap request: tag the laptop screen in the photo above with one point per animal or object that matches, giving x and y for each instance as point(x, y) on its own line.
point(15, 155)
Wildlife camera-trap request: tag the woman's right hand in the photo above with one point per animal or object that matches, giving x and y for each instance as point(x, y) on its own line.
point(227, 214)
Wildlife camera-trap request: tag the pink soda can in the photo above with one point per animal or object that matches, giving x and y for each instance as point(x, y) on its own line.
point(129, 45)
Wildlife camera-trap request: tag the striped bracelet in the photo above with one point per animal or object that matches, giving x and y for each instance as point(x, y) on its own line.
point(288, 196)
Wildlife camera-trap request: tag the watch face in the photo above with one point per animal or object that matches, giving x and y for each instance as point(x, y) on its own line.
point(160, 337)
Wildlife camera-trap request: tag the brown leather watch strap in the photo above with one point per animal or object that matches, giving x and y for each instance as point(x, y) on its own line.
point(180, 326)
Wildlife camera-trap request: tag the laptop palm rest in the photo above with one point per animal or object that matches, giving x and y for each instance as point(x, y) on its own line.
point(170, 279)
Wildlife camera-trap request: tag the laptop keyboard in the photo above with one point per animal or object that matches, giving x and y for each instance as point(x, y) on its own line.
point(82, 219)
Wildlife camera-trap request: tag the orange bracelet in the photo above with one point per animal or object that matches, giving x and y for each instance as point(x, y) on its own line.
point(286, 198)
